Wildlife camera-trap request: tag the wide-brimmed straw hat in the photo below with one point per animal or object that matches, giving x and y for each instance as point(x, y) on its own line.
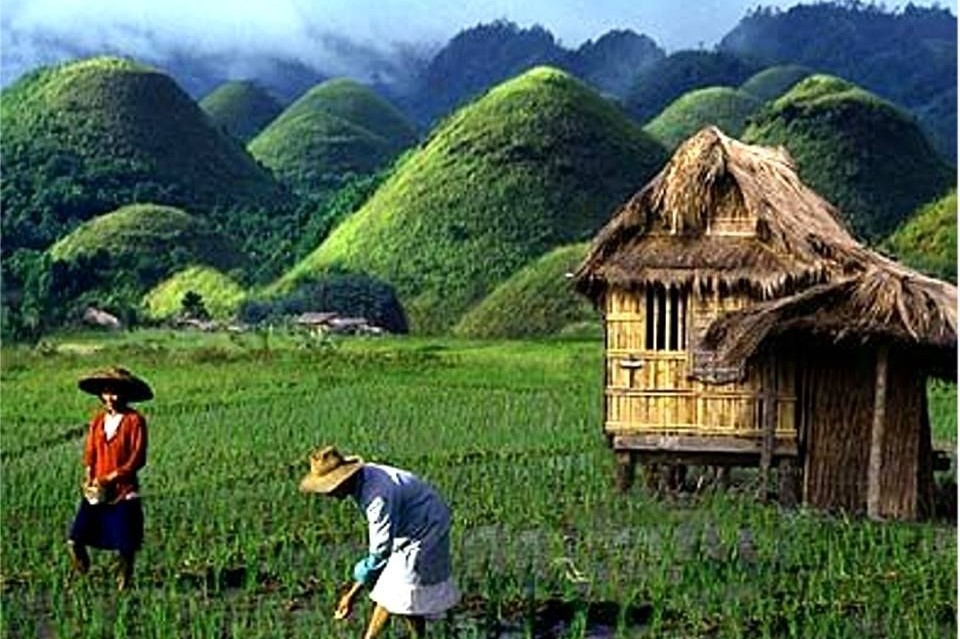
point(125, 383)
point(328, 469)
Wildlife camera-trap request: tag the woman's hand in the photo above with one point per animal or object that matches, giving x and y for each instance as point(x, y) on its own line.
point(345, 603)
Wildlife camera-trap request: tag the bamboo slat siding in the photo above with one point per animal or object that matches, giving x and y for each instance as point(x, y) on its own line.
point(651, 391)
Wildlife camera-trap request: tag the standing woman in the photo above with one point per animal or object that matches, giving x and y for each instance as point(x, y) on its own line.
point(110, 516)
point(408, 562)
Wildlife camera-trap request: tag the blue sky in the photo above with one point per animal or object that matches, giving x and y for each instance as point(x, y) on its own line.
point(290, 27)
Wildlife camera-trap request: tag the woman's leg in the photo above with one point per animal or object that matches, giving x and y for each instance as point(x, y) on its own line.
point(125, 570)
point(416, 625)
point(79, 558)
point(378, 621)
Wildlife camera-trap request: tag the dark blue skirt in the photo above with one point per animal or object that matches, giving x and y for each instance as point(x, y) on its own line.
point(116, 526)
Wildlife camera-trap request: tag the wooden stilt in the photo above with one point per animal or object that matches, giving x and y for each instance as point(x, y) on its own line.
point(626, 470)
point(789, 486)
point(876, 436)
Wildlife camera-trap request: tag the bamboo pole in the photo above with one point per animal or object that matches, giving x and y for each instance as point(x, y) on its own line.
point(876, 436)
point(769, 425)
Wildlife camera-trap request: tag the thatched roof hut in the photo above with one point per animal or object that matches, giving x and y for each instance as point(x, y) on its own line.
point(729, 288)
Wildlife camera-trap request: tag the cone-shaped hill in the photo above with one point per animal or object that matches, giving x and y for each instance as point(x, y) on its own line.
point(241, 107)
point(723, 107)
point(148, 240)
point(860, 152)
point(928, 240)
point(773, 82)
point(536, 301)
point(84, 138)
point(221, 295)
point(337, 129)
point(537, 162)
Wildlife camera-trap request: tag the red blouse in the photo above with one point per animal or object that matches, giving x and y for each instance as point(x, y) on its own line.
point(124, 454)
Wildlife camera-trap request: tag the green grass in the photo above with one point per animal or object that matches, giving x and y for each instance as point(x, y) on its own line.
point(928, 240)
point(773, 82)
point(537, 162)
point(241, 107)
point(510, 434)
point(537, 301)
point(222, 296)
point(859, 152)
point(337, 130)
point(87, 137)
point(723, 107)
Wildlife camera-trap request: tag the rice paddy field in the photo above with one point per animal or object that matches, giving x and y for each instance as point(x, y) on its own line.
point(510, 434)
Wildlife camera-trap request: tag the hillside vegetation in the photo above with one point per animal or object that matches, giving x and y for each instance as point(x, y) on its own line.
point(84, 138)
point(774, 81)
point(336, 131)
point(928, 240)
point(241, 107)
point(860, 152)
point(723, 107)
point(538, 300)
point(538, 162)
point(220, 293)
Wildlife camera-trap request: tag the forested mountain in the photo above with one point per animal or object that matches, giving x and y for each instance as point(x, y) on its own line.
point(680, 72)
point(908, 57)
point(478, 58)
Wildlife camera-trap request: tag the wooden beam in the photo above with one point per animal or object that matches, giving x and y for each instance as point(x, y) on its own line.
point(769, 424)
point(717, 444)
point(876, 435)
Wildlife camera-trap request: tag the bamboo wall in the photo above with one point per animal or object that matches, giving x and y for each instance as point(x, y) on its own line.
point(650, 391)
point(837, 407)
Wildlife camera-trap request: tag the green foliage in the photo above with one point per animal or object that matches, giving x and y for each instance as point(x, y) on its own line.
point(538, 162)
point(928, 239)
point(125, 253)
point(241, 107)
point(347, 294)
point(774, 81)
point(221, 294)
point(337, 130)
point(859, 152)
point(680, 73)
point(537, 301)
point(723, 107)
point(86, 137)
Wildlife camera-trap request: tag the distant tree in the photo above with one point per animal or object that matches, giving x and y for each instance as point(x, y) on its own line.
point(192, 306)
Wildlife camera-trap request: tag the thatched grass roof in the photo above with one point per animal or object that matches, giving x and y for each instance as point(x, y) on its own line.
point(887, 303)
point(661, 234)
point(806, 271)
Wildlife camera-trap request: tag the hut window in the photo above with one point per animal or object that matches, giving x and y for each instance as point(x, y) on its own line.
point(666, 319)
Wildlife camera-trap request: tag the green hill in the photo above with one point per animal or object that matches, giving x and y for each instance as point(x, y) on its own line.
point(537, 162)
point(773, 82)
point(336, 130)
point(928, 240)
point(723, 107)
point(129, 250)
point(241, 107)
point(538, 300)
point(84, 138)
point(858, 151)
point(221, 294)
